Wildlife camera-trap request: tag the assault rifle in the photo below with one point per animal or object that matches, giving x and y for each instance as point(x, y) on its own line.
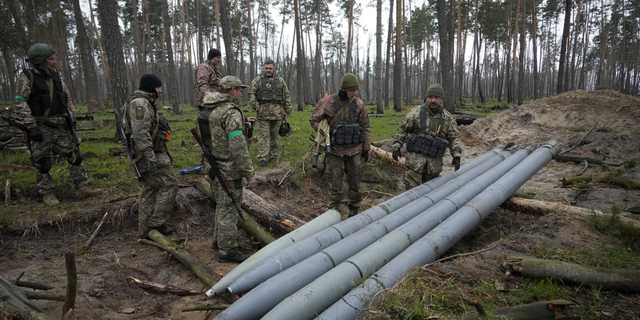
point(126, 141)
point(215, 170)
point(15, 122)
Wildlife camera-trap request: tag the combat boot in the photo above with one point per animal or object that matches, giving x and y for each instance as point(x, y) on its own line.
point(233, 258)
point(165, 229)
point(50, 199)
point(86, 192)
point(353, 211)
point(263, 163)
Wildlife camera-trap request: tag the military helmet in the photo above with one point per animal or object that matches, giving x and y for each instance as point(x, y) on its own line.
point(285, 129)
point(39, 51)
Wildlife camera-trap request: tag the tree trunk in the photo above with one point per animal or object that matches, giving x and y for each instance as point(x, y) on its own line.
point(534, 26)
point(88, 67)
point(349, 39)
point(255, 230)
point(172, 85)
point(388, 61)
point(228, 36)
point(299, 57)
point(378, 79)
point(445, 31)
point(397, 64)
point(268, 214)
point(560, 86)
point(521, 54)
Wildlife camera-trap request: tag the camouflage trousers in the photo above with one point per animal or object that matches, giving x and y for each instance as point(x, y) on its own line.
point(420, 169)
point(268, 139)
point(158, 190)
point(336, 167)
point(59, 142)
point(226, 218)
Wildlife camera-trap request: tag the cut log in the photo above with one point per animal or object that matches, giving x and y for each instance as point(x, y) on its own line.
point(607, 279)
point(205, 308)
point(269, 214)
point(72, 282)
point(160, 287)
point(33, 285)
point(576, 159)
point(15, 298)
point(255, 230)
point(381, 153)
point(610, 180)
point(37, 295)
point(555, 309)
point(540, 207)
point(196, 266)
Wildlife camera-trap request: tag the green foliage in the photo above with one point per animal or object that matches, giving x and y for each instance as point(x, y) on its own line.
point(631, 162)
point(612, 226)
point(526, 195)
point(637, 147)
point(603, 87)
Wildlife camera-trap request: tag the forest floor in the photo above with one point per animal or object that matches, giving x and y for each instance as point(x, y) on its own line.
point(33, 241)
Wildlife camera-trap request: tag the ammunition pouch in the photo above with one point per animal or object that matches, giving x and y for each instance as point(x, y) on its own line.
point(163, 135)
point(78, 157)
point(428, 144)
point(347, 134)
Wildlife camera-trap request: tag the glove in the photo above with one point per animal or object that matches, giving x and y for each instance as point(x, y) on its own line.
point(396, 155)
point(456, 163)
point(364, 156)
point(153, 166)
point(36, 134)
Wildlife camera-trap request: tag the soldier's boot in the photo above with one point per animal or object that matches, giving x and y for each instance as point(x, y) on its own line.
point(233, 258)
point(353, 211)
point(87, 191)
point(214, 245)
point(274, 160)
point(165, 229)
point(50, 199)
point(263, 163)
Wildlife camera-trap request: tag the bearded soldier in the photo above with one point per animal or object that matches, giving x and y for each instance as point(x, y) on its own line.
point(430, 129)
point(270, 98)
point(222, 125)
point(208, 76)
point(42, 105)
point(150, 133)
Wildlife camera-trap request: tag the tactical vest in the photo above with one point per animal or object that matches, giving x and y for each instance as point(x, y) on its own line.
point(159, 136)
point(46, 93)
point(271, 90)
point(346, 134)
point(205, 129)
point(427, 143)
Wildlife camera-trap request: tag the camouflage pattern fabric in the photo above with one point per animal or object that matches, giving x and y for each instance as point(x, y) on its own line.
point(21, 108)
point(268, 139)
point(140, 120)
point(269, 111)
point(158, 190)
point(336, 167)
point(226, 123)
point(422, 166)
point(326, 110)
point(207, 79)
point(226, 217)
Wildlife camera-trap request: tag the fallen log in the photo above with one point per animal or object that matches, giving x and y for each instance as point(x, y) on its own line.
point(607, 279)
point(72, 282)
point(36, 295)
point(196, 266)
point(381, 153)
point(255, 230)
point(540, 207)
point(576, 159)
point(205, 308)
point(87, 245)
point(33, 285)
point(15, 298)
point(160, 287)
point(555, 309)
point(611, 180)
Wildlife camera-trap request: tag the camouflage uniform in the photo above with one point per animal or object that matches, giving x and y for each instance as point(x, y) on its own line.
point(207, 78)
point(270, 105)
point(222, 125)
point(421, 168)
point(158, 189)
point(344, 160)
point(56, 137)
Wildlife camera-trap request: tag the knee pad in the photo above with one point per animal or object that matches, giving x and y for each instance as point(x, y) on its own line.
point(78, 158)
point(43, 164)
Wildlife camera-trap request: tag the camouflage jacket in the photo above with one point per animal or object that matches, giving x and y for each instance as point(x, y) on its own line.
point(207, 79)
point(326, 110)
point(411, 124)
point(21, 106)
point(226, 140)
point(269, 110)
point(140, 120)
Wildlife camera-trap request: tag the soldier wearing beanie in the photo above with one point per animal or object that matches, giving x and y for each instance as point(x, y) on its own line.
point(269, 96)
point(346, 117)
point(208, 76)
point(428, 130)
point(149, 136)
point(44, 111)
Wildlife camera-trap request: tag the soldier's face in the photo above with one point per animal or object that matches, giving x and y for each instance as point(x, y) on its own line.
point(217, 60)
point(269, 69)
point(49, 62)
point(352, 94)
point(158, 90)
point(237, 92)
point(434, 102)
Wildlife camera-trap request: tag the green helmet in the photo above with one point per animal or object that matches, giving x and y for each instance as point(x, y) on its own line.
point(285, 129)
point(39, 51)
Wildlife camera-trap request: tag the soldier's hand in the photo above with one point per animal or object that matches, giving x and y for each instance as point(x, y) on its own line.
point(456, 163)
point(364, 156)
point(153, 166)
point(36, 134)
point(396, 155)
point(251, 184)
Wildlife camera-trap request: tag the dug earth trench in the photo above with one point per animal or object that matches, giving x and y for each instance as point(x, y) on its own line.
point(36, 243)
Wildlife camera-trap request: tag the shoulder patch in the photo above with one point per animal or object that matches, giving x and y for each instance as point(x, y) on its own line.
point(233, 113)
point(139, 113)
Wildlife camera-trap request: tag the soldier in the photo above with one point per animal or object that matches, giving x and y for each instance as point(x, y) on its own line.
point(149, 135)
point(430, 130)
point(221, 126)
point(350, 136)
point(41, 104)
point(270, 98)
point(208, 76)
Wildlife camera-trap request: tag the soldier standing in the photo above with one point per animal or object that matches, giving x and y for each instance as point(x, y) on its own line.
point(350, 140)
point(430, 129)
point(208, 76)
point(221, 126)
point(149, 134)
point(41, 104)
point(270, 98)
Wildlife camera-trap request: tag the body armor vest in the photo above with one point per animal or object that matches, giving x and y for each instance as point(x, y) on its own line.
point(432, 145)
point(205, 129)
point(46, 93)
point(270, 90)
point(348, 134)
